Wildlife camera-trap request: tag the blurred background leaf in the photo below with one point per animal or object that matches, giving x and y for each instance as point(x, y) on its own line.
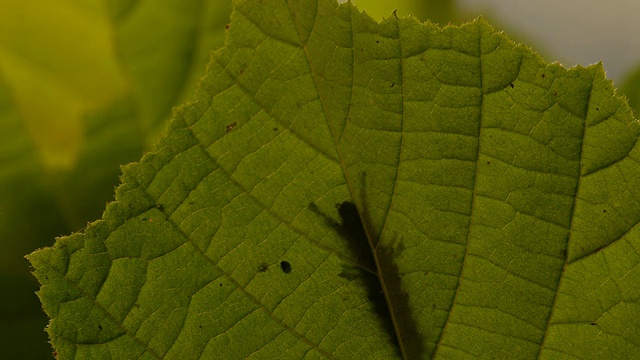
point(631, 89)
point(85, 86)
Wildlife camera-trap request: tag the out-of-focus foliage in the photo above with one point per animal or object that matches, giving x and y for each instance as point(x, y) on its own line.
point(631, 89)
point(437, 11)
point(85, 86)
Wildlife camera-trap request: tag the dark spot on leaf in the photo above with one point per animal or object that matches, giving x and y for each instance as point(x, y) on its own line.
point(593, 323)
point(144, 219)
point(191, 202)
point(275, 129)
point(377, 41)
point(160, 207)
point(263, 267)
point(511, 85)
point(285, 266)
point(488, 162)
point(393, 84)
point(597, 109)
point(543, 75)
point(200, 326)
point(227, 26)
point(604, 211)
point(230, 127)
point(220, 284)
point(99, 327)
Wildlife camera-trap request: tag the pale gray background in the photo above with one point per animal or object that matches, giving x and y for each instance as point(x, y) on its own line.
point(573, 31)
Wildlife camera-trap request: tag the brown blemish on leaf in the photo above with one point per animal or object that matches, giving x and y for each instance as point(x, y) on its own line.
point(230, 127)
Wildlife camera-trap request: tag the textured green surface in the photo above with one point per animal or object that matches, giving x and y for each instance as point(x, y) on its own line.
point(75, 103)
point(500, 195)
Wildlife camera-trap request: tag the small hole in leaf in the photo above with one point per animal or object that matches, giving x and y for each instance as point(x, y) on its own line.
point(100, 327)
point(285, 266)
point(604, 211)
point(377, 41)
point(511, 85)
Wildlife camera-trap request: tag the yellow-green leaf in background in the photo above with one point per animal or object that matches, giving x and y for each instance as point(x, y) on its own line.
point(438, 11)
point(343, 188)
point(85, 86)
point(631, 89)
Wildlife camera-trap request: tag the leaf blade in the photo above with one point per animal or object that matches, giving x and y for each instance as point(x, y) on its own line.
point(478, 208)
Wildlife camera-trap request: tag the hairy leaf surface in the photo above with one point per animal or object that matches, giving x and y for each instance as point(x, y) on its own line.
point(343, 188)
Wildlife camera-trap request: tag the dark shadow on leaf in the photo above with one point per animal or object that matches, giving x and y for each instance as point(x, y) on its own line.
point(352, 230)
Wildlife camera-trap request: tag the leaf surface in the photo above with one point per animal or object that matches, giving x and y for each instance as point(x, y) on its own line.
point(343, 188)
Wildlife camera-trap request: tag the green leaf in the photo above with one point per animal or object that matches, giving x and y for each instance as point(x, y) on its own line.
point(76, 101)
point(331, 165)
